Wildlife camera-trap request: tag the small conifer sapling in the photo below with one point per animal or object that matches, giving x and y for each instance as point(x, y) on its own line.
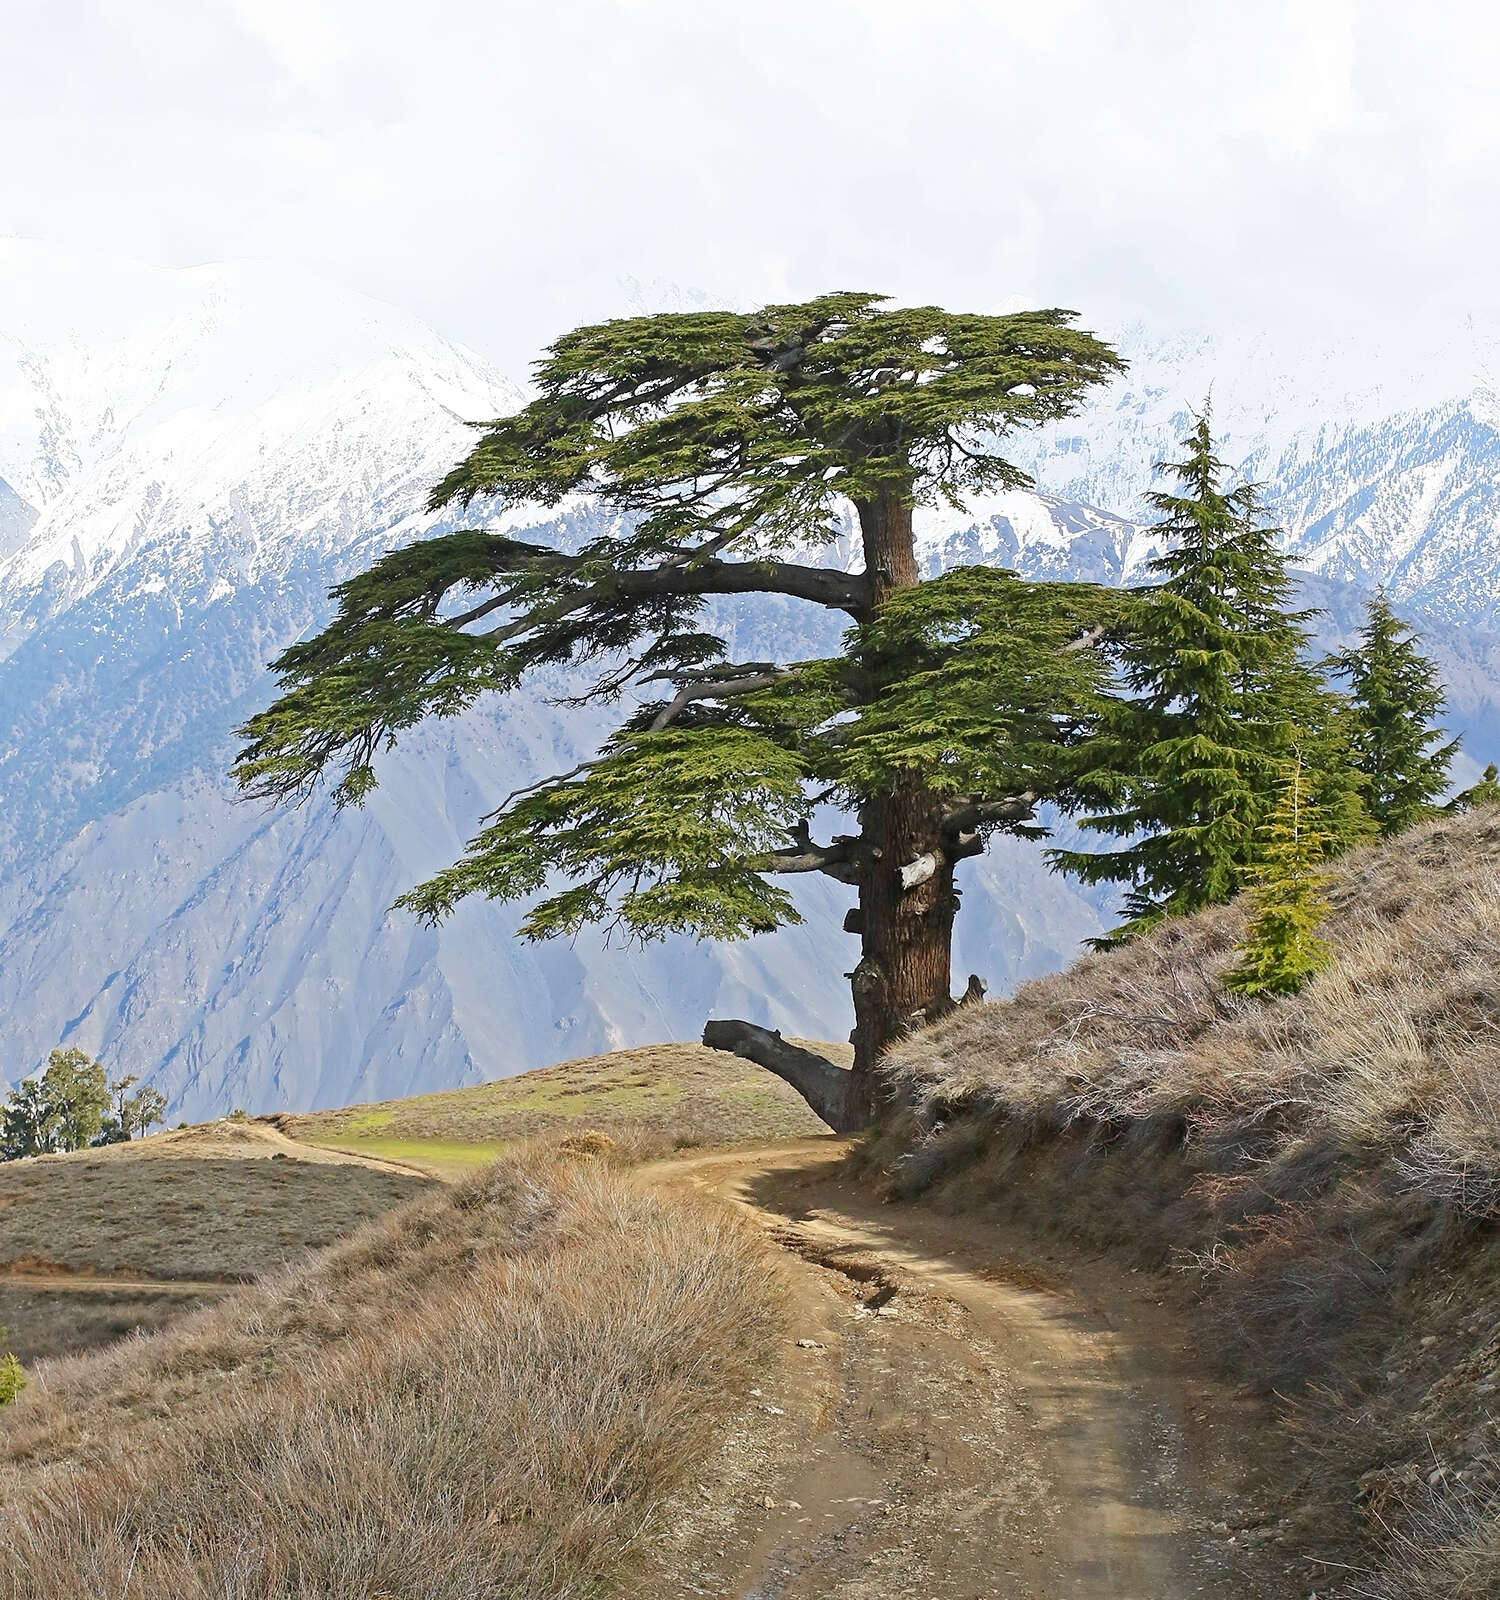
point(1282, 948)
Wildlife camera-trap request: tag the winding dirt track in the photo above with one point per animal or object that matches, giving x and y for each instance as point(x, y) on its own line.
point(950, 1424)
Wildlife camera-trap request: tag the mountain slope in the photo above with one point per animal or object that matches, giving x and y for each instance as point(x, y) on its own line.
point(205, 453)
point(1380, 462)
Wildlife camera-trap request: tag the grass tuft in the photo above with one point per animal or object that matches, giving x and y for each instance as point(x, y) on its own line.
point(485, 1393)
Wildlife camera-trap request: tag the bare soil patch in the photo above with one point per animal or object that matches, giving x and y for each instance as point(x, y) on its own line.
point(954, 1420)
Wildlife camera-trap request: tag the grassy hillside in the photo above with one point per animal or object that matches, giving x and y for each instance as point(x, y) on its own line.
point(1322, 1174)
point(679, 1094)
point(486, 1393)
point(101, 1242)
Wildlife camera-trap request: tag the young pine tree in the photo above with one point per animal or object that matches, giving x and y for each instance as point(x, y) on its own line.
point(1186, 767)
point(1484, 793)
point(1282, 949)
point(1395, 699)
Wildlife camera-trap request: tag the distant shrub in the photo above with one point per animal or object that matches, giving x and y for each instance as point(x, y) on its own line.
point(12, 1379)
point(588, 1143)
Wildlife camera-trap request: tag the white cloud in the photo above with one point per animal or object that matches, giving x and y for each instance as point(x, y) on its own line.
point(500, 167)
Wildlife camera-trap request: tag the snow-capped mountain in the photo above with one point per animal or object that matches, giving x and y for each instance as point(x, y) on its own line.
point(189, 459)
point(1380, 463)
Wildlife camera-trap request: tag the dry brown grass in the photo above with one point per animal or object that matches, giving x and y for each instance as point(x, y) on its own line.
point(1447, 1543)
point(1324, 1169)
point(485, 1393)
point(225, 1202)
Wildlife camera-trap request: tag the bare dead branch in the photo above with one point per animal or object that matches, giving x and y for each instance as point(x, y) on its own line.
point(716, 689)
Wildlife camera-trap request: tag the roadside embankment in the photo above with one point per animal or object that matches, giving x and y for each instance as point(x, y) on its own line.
point(1320, 1176)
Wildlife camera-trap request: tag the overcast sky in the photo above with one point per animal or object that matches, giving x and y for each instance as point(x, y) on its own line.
point(500, 167)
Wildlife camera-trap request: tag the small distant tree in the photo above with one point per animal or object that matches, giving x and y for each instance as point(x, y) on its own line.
point(1186, 766)
point(1484, 793)
point(76, 1085)
point(133, 1114)
point(28, 1123)
point(1395, 700)
point(1289, 879)
point(61, 1109)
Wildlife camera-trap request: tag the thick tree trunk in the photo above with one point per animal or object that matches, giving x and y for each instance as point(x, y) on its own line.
point(904, 975)
point(907, 901)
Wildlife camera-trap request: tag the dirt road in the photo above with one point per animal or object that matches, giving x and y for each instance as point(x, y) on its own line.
point(953, 1423)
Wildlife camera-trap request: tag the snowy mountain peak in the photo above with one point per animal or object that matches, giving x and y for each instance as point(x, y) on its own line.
point(1379, 461)
point(143, 409)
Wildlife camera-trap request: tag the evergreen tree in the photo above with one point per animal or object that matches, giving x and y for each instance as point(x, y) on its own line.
point(1484, 793)
point(725, 445)
point(1395, 700)
point(1282, 948)
point(1185, 768)
point(12, 1377)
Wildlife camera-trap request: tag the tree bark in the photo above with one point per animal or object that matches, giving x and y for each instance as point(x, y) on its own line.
point(904, 975)
point(903, 868)
point(826, 1088)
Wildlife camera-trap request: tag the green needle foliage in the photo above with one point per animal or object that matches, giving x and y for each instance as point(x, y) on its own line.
point(1484, 793)
point(1395, 700)
point(1282, 948)
point(12, 1377)
point(1186, 766)
point(728, 448)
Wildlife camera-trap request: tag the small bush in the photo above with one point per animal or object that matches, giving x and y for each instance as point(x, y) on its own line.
point(12, 1379)
point(588, 1143)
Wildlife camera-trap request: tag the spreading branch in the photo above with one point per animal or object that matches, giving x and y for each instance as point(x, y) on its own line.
point(678, 578)
point(842, 859)
point(717, 688)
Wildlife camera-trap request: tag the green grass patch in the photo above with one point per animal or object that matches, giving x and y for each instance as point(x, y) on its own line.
point(680, 1092)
